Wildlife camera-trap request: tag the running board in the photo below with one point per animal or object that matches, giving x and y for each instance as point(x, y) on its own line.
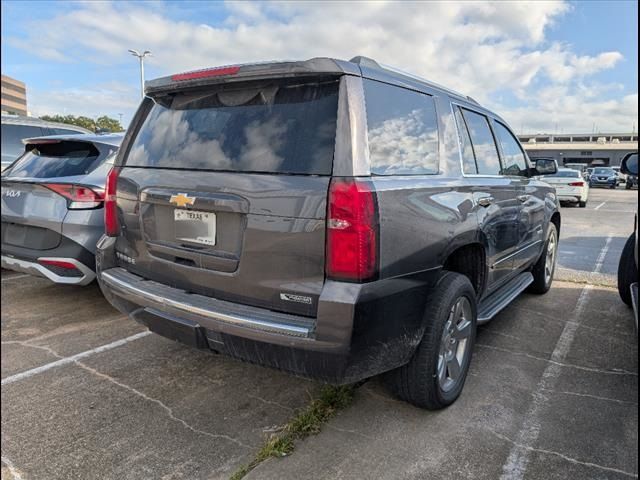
point(494, 303)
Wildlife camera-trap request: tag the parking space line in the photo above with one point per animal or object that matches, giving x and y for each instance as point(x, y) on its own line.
point(15, 474)
point(73, 358)
point(518, 459)
point(516, 465)
point(600, 206)
point(15, 277)
point(603, 254)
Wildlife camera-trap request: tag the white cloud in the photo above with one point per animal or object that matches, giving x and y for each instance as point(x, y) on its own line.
point(480, 48)
point(109, 99)
point(571, 113)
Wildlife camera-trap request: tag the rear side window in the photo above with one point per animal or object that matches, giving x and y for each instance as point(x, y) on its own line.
point(62, 159)
point(484, 145)
point(403, 130)
point(272, 128)
point(12, 136)
point(515, 163)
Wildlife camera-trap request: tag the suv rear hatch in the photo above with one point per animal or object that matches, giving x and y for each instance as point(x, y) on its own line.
point(33, 208)
point(222, 190)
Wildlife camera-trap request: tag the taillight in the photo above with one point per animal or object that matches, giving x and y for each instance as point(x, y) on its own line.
point(79, 197)
point(352, 231)
point(58, 263)
point(209, 72)
point(576, 184)
point(111, 227)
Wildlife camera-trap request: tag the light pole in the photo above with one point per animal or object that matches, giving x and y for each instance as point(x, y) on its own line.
point(141, 56)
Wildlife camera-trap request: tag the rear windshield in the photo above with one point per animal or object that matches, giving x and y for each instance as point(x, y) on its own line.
point(62, 159)
point(274, 128)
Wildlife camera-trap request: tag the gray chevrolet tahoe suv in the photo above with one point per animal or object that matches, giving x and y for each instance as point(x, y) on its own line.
point(333, 219)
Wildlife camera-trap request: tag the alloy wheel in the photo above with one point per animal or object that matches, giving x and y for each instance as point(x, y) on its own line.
point(455, 345)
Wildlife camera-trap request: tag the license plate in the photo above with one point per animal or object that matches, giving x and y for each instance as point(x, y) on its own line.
point(195, 226)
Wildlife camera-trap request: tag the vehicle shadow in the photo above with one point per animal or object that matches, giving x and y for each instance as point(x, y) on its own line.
point(584, 253)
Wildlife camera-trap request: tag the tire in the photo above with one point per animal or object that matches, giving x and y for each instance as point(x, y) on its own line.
point(628, 185)
point(582, 204)
point(420, 382)
point(627, 270)
point(542, 279)
point(612, 187)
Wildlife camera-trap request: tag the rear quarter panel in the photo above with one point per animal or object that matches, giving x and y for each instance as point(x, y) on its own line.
point(422, 220)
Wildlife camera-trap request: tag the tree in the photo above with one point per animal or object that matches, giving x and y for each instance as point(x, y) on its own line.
point(109, 124)
point(103, 122)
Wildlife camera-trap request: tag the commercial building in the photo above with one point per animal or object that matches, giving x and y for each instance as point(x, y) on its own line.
point(14, 96)
point(589, 149)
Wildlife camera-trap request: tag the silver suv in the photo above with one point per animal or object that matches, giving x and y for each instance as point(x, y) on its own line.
point(16, 128)
point(334, 219)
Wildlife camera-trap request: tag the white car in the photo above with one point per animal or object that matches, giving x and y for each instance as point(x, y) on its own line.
point(570, 186)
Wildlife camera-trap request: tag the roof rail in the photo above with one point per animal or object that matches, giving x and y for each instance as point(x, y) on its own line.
point(365, 62)
point(371, 63)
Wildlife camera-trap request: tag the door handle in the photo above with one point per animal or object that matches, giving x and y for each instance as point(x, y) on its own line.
point(523, 198)
point(485, 201)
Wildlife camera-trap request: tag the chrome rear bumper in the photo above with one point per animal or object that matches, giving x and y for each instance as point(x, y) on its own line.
point(147, 293)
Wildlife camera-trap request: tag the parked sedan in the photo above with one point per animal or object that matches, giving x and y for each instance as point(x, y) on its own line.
point(52, 206)
point(604, 177)
point(570, 186)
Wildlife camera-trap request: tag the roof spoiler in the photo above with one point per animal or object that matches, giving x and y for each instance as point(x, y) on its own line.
point(252, 71)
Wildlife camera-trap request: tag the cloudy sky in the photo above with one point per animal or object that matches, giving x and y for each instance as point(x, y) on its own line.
point(544, 66)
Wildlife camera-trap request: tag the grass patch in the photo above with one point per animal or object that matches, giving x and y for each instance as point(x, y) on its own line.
point(307, 422)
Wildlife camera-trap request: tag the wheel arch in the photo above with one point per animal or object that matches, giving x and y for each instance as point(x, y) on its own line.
point(470, 260)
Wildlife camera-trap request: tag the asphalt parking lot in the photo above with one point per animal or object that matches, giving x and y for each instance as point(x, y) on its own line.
point(552, 392)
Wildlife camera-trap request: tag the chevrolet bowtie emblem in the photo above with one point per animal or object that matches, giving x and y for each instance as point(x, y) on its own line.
point(182, 200)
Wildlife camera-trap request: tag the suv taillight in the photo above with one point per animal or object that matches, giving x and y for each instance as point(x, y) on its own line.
point(352, 231)
point(111, 227)
point(78, 197)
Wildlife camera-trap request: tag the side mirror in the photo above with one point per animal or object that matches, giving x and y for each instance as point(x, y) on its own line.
point(630, 165)
point(546, 166)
